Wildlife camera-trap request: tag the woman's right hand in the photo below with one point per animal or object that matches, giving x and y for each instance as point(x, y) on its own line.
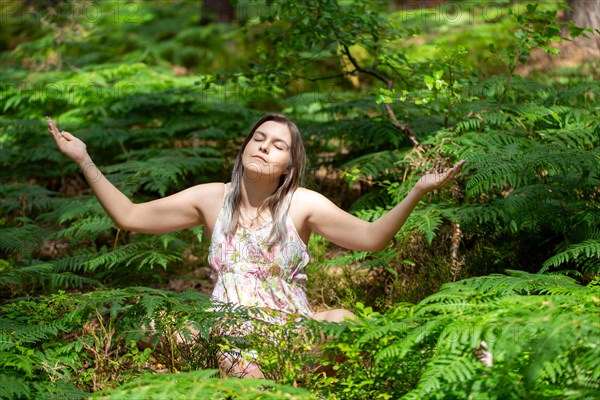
point(68, 144)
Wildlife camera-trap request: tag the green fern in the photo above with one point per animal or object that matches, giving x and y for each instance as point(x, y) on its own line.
point(14, 386)
point(164, 168)
point(578, 135)
point(374, 164)
point(90, 226)
point(586, 253)
point(26, 198)
point(145, 251)
point(200, 384)
point(539, 330)
point(445, 369)
point(42, 276)
point(23, 240)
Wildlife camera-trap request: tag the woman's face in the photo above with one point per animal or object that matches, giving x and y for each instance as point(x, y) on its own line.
point(268, 153)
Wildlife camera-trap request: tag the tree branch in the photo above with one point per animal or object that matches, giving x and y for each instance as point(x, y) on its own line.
point(401, 126)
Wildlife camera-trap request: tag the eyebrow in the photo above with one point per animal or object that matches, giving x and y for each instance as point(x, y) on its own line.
point(276, 138)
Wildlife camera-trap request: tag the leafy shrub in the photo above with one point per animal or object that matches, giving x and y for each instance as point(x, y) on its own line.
point(539, 332)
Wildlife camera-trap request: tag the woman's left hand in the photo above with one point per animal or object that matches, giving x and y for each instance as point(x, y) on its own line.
point(431, 182)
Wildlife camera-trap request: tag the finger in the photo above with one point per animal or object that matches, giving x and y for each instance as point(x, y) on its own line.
point(53, 128)
point(455, 170)
point(50, 123)
point(454, 173)
point(449, 175)
point(54, 131)
point(459, 165)
point(67, 135)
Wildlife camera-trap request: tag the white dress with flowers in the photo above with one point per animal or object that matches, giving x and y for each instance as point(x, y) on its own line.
point(246, 272)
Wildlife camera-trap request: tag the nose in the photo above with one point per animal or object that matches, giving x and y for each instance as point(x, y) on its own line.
point(264, 148)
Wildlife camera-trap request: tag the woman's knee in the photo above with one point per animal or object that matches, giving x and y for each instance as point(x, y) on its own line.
point(337, 315)
point(235, 365)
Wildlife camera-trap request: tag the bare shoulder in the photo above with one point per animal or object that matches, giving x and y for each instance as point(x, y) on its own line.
point(203, 197)
point(306, 201)
point(303, 196)
point(208, 198)
point(300, 210)
point(213, 188)
point(208, 191)
point(306, 195)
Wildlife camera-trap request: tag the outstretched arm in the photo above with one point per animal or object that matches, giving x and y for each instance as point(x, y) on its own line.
point(348, 231)
point(178, 211)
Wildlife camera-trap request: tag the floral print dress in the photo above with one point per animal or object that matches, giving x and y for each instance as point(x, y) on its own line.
point(249, 273)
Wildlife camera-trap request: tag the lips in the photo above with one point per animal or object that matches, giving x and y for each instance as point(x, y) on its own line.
point(260, 158)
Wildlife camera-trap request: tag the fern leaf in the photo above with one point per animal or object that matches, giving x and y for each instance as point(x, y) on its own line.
point(200, 384)
point(413, 337)
point(375, 164)
point(13, 387)
point(589, 249)
point(22, 240)
point(449, 368)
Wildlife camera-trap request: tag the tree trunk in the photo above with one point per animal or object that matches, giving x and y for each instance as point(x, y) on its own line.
point(217, 11)
point(586, 14)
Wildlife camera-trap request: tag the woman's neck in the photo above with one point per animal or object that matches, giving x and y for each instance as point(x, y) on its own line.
point(254, 192)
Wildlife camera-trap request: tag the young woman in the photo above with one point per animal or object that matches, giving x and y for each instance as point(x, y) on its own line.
point(259, 223)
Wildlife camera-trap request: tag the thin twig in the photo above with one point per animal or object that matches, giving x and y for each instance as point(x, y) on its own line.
point(402, 127)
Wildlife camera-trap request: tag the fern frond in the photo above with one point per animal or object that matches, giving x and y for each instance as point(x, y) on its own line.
point(17, 333)
point(577, 135)
point(375, 164)
point(427, 222)
point(14, 387)
point(483, 215)
point(397, 329)
point(347, 259)
point(586, 251)
point(90, 226)
point(531, 113)
point(19, 276)
point(575, 94)
point(491, 172)
point(22, 240)
point(74, 209)
point(26, 364)
point(444, 369)
point(75, 262)
point(413, 337)
point(468, 125)
point(159, 170)
point(145, 251)
point(515, 282)
point(374, 199)
point(423, 126)
point(201, 384)
point(26, 197)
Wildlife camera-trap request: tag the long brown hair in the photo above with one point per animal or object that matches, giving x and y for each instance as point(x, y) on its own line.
point(279, 202)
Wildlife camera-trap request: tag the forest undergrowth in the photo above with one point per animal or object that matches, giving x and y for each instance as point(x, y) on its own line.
point(489, 291)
